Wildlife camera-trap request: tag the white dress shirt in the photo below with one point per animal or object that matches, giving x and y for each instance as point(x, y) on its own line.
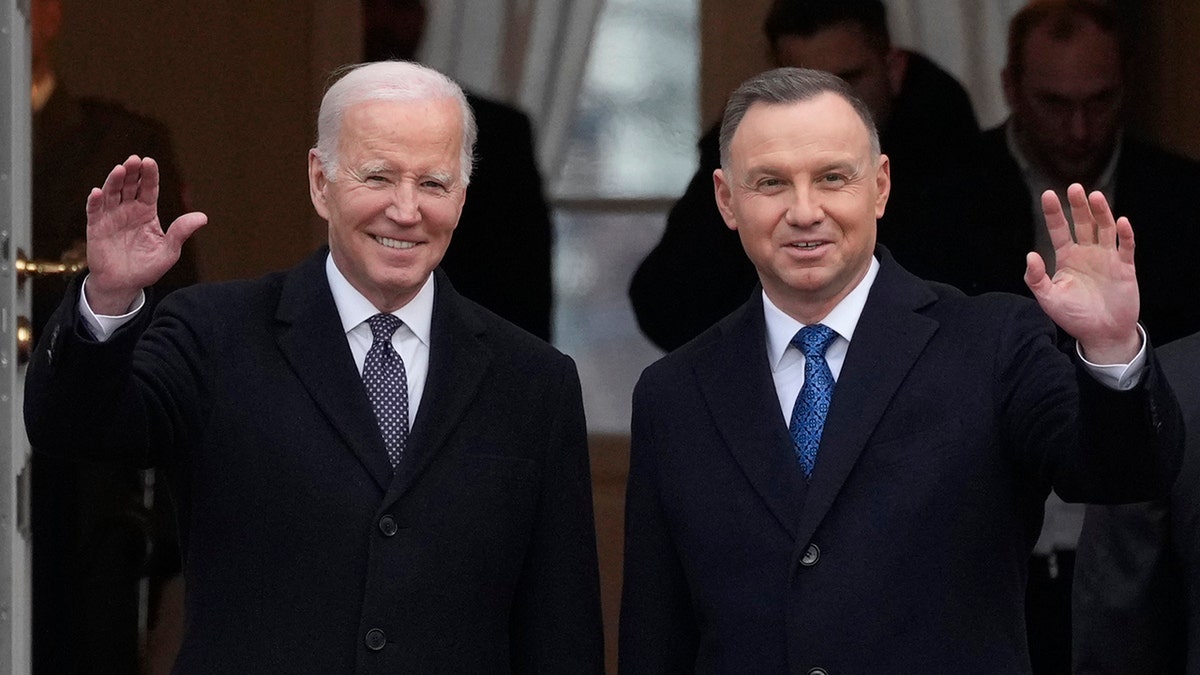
point(411, 341)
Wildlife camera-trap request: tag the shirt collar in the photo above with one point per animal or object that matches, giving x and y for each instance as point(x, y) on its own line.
point(353, 308)
point(843, 318)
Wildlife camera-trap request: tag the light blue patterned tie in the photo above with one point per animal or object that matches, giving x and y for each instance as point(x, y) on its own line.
point(808, 416)
point(387, 385)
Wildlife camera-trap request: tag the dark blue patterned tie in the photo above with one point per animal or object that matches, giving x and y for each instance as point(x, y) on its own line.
point(808, 416)
point(387, 385)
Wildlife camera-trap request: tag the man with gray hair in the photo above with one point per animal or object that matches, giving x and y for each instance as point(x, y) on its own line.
point(374, 473)
point(845, 475)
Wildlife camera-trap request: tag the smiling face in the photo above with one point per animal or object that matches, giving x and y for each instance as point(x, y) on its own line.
point(803, 190)
point(396, 196)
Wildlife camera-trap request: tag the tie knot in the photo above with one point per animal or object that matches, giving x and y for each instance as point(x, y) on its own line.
point(383, 325)
point(813, 340)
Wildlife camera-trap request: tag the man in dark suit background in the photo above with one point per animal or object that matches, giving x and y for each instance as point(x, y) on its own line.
point(891, 535)
point(1065, 85)
point(93, 536)
point(1136, 602)
point(446, 527)
point(502, 249)
point(927, 128)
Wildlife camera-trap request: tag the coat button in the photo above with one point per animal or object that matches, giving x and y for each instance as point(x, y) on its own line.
point(387, 525)
point(818, 671)
point(811, 555)
point(375, 639)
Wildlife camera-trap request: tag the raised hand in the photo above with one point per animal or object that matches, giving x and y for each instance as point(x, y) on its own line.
point(127, 249)
point(1093, 295)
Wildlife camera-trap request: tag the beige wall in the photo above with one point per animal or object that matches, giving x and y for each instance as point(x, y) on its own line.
point(238, 83)
point(732, 48)
point(1172, 113)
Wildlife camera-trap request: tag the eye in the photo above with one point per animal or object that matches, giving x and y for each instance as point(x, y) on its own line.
point(432, 184)
point(833, 178)
point(768, 183)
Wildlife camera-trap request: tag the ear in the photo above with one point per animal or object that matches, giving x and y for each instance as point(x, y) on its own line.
point(317, 183)
point(883, 185)
point(897, 69)
point(724, 195)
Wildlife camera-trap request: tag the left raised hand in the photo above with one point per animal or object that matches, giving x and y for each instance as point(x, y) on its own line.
point(1093, 294)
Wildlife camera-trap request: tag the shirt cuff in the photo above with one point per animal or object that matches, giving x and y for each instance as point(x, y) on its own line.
point(1120, 376)
point(103, 326)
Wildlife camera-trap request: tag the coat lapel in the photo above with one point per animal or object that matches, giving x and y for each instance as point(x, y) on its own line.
point(311, 338)
point(888, 340)
point(458, 363)
point(735, 380)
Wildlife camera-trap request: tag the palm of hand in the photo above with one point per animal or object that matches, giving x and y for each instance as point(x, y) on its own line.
point(126, 243)
point(127, 248)
point(1094, 294)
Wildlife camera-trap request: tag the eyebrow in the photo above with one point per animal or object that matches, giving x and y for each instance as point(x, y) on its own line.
point(369, 169)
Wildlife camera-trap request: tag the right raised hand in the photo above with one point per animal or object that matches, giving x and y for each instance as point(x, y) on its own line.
point(127, 249)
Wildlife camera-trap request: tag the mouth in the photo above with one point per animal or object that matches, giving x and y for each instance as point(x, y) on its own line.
point(394, 243)
point(806, 245)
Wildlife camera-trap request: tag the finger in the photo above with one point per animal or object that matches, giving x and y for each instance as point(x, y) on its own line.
point(95, 203)
point(1035, 273)
point(1125, 243)
point(184, 227)
point(1056, 220)
point(112, 186)
point(148, 190)
point(133, 176)
point(1106, 225)
point(1081, 215)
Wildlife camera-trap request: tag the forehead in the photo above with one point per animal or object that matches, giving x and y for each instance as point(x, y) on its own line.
point(1089, 56)
point(819, 128)
point(423, 126)
point(836, 49)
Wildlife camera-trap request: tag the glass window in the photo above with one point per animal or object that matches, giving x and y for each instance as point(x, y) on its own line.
point(630, 154)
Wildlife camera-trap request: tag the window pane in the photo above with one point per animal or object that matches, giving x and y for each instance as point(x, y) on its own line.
point(596, 252)
point(637, 122)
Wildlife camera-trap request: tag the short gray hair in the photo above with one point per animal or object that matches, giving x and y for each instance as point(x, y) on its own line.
point(789, 85)
point(401, 81)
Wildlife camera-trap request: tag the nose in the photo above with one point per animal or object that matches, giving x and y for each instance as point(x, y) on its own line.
point(403, 207)
point(806, 208)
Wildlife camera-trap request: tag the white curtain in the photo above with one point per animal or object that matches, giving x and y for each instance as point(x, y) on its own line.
point(530, 53)
point(966, 37)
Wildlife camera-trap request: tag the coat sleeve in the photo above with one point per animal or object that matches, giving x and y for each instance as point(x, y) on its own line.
point(658, 633)
point(1068, 432)
point(556, 624)
point(124, 401)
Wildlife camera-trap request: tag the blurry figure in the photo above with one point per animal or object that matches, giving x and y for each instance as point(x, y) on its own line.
point(502, 247)
point(1136, 602)
point(94, 533)
point(698, 272)
point(1065, 85)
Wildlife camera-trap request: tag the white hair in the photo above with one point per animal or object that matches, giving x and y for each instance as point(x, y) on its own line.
point(401, 81)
